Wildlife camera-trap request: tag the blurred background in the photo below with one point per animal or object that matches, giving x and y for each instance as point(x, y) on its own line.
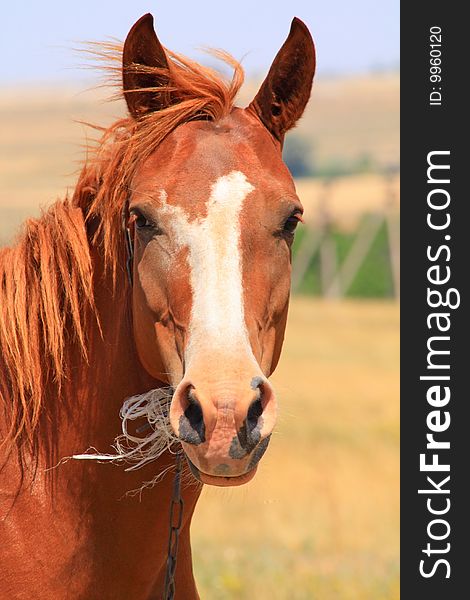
point(321, 519)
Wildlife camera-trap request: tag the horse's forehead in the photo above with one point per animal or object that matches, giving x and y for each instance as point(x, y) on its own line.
point(221, 211)
point(197, 155)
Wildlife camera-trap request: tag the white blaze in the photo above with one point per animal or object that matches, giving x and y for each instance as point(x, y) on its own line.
point(214, 257)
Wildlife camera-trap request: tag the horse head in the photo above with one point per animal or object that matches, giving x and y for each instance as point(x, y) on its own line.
point(212, 212)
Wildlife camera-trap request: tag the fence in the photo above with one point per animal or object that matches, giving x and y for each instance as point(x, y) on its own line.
point(335, 271)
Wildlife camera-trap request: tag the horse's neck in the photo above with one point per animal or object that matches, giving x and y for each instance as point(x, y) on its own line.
point(104, 543)
point(83, 412)
point(87, 413)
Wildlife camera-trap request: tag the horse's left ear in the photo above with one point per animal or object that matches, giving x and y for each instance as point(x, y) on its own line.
point(283, 95)
point(144, 66)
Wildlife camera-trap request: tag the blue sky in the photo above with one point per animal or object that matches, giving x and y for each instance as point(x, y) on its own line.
point(351, 36)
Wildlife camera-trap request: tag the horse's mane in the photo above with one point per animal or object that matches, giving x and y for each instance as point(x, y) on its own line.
point(46, 278)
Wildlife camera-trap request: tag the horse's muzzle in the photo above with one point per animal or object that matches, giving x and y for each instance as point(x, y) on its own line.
point(224, 429)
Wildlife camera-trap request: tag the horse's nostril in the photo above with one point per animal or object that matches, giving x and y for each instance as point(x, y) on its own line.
point(194, 410)
point(249, 434)
point(254, 413)
point(192, 429)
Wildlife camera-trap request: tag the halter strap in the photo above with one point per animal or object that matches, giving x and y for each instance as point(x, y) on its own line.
point(128, 242)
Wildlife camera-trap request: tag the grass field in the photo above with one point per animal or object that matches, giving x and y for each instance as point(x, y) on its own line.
point(320, 521)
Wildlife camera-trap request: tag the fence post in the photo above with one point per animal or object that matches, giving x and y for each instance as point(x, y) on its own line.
point(357, 253)
point(328, 255)
point(311, 242)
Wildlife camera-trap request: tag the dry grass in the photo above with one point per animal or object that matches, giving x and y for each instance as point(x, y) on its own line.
point(350, 117)
point(321, 519)
point(346, 199)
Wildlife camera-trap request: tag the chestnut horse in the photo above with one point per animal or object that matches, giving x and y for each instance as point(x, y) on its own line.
point(210, 211)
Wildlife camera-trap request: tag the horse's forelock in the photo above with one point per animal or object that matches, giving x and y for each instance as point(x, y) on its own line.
point(197, 92)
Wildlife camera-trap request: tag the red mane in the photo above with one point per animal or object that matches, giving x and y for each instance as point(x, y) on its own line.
point(46, 292)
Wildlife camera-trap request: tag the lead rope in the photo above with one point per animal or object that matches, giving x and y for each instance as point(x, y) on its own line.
point(176, 506)
point(176, 518)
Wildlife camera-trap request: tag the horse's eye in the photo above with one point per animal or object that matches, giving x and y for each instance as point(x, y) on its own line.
point(291, 224)
point(141, 221)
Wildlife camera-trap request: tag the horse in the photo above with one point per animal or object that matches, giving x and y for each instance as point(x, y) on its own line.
point(191, 193)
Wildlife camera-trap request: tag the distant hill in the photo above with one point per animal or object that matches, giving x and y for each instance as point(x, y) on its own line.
point(351, 120)
point(41, 146)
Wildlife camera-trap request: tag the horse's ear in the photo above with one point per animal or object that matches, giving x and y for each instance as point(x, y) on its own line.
point(284, 93)
point(144, 66)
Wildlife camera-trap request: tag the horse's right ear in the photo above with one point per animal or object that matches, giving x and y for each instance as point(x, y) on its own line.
point(284, 93)
point(144, 66)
